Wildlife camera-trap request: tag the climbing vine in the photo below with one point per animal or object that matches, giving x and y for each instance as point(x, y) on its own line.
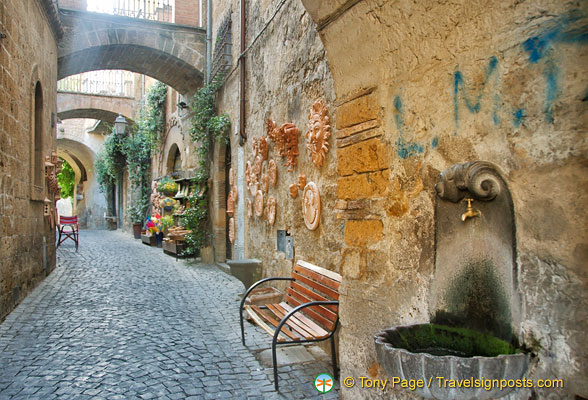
point(66, 179)
point(134, 150)
point(207, 127)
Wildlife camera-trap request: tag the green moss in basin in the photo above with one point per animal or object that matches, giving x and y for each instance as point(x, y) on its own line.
point(444, 340)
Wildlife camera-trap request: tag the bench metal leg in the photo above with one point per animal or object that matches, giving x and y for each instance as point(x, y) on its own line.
point(334, 358)
point(275, 363)
point(242, 327)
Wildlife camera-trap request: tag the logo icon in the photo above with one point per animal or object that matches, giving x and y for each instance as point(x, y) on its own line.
point(323, 383)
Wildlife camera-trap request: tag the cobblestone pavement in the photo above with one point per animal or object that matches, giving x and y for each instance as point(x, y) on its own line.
point(121, 320)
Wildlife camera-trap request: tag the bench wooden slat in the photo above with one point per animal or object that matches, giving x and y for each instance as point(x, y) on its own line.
point(314, 296)
point(325, 312)
point(259, 321)
point(292, 322)
point(317, 286)
point(317, 277)
point(275, 323)
point(323, 271)
point(309, 311)
point(320, 332)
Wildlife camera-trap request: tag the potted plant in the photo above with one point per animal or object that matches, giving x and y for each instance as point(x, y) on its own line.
point(167, 222)
point(167, 186)
point(136, 214)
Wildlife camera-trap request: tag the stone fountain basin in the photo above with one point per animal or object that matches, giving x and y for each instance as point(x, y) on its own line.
point(408, 353)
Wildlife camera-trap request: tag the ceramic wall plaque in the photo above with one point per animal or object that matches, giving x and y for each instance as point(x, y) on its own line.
point(258, 165)
point(259, 203)
point(248, 174)
point(264, 183)
point(290, 134)
point(232, 230)
point(271, 210)
point(319, 131)
point(276, 135)
point(235, 194)
point(293, 190)
point(263, 148)
point(301, 181)
point(254, 144)
point(249, 208)
point(311, 206)
point(272, 171)
point(231, 177)
point(253, 188)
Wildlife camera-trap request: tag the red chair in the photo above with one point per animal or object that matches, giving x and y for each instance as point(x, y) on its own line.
point(68, 226)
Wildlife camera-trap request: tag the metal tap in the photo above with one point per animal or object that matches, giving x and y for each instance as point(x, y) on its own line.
point(470, 211)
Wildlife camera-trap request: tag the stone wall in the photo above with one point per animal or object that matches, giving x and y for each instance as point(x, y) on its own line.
point(28, 54)
point(286, 72)
point(423, 86)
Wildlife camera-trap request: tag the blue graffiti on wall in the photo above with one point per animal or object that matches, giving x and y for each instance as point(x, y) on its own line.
point(570, 28)
point(404, 149)
point(473, 104)
point(518, 117)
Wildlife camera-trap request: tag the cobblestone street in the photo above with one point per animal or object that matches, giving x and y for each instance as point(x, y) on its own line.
point(121, 320)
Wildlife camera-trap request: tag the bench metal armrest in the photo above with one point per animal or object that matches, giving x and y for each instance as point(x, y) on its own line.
point(257, 284)
point(300, 307)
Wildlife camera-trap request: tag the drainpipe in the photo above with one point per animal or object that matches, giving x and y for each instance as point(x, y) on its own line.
point(208, 39)
point(242, 76)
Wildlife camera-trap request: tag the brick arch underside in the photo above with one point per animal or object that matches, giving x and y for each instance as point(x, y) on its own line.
point(157, 64)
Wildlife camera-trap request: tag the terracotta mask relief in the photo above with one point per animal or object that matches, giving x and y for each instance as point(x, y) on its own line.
point(230, 204)
point(259, 203)
point(271, 210)
point(319, 131)
point(272, 170)
point(311, 206)
point(290, 134)
point(249, 209)
point(263, 148)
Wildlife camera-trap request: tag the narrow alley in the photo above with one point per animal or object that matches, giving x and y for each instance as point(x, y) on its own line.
point(120, 320)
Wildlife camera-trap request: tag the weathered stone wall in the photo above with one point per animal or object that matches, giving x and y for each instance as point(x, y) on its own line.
point(28, 54)
point(421, 86)
point(286, 71)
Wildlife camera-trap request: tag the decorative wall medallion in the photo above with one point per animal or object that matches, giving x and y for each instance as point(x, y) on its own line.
point(311, 206)
point(230, 204)
point(319, 131)
point(231, 177)
point(232, 230)
point(271, 210)
point(264, 183)
point(249, 209)
point(293, 190)
point(272, 171)
point(290, 134)
point(301, 181)
point(259, 203)
point(248, 174)
point(253, 188)
point(258, 163)
point(276, 135)
point(235, 193)
point(263, 148)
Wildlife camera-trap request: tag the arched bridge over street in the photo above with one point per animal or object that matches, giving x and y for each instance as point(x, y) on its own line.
point(172, 54)
point(102, 107)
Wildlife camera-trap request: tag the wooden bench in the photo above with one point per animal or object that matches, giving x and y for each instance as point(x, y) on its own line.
point(308, 314)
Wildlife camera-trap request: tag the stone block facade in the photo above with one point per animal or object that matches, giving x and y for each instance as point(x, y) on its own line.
point(28, 67)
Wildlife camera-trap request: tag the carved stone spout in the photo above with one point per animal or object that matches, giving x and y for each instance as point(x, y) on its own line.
point(480, 179)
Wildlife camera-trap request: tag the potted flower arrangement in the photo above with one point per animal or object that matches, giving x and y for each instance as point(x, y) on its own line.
point(155, 226)
point(167, 222)
point(167, 186)
point(136, 214)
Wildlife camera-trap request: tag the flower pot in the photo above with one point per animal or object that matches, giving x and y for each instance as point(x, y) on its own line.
point(137, 230)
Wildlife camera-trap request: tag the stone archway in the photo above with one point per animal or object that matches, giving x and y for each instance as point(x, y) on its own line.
point(104, 108)
point(170, 53)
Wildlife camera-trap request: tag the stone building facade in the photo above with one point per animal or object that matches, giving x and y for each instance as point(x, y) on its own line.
point(411, 90)
point(28, 64)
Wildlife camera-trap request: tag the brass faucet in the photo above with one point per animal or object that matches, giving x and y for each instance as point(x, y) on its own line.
point(470, 211)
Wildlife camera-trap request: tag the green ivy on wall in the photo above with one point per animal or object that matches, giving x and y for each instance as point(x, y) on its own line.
point(66, 179)
point(207, 127)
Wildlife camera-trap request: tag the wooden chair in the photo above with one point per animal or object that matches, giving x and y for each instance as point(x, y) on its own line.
point(68, 226)
point(308, 314)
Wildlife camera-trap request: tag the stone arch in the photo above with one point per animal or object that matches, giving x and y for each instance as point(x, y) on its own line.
point(174, 153)
point(104, 108)
point(169, 53)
